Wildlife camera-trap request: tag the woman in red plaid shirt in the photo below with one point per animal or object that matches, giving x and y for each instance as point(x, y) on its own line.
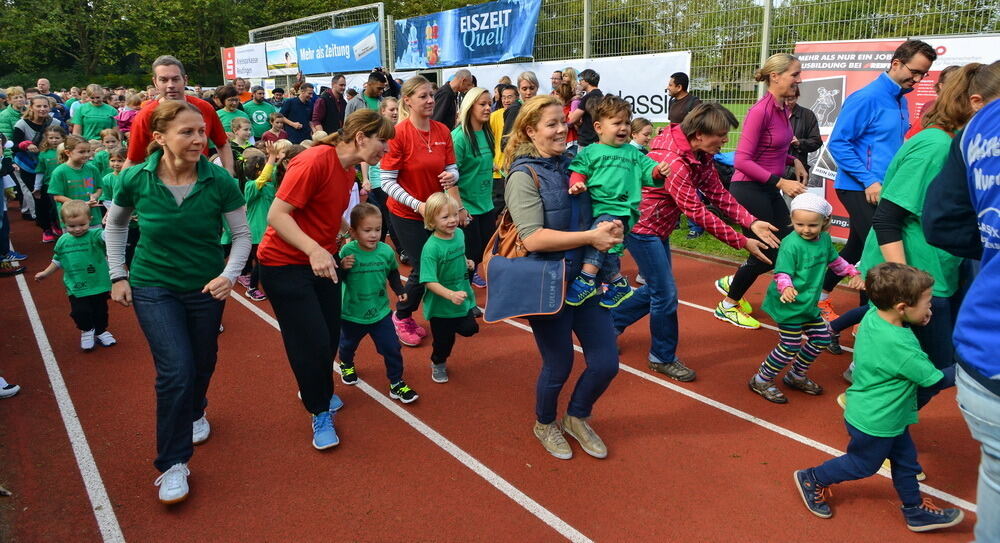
point(689, 148)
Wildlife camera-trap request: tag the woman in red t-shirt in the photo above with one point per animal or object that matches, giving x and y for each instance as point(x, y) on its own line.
point(297, 266)
point(420, 161)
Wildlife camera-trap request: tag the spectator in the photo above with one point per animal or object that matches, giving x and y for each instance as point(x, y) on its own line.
point(44, 89)
point(259, 111)
point(229, 96)
point(277, 97)
point(681, 102)
point(328, 111)
point(555, 80)
point(805, 130)
point(527, 87)
point(372, 95)
point(298, 112)
point(448, 97)
point(241, 89)
point(585, 134)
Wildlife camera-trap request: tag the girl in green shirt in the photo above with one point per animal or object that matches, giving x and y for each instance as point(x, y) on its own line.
point(110, 140)
point(75, 179)
point(259, 192)
point(48, 161)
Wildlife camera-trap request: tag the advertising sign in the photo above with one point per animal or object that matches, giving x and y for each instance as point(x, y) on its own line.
point(282, 58)
point(479, 34)
point(251, 60)
point(229, 63)
point(351, 49)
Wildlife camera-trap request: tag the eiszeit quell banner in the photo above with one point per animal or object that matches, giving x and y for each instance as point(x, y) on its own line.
point(480, 34)
point(352, 49)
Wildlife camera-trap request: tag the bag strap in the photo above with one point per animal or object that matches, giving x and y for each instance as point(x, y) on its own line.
point(534, 177)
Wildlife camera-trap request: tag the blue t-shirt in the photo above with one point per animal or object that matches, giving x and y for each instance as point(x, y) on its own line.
point(295, 110)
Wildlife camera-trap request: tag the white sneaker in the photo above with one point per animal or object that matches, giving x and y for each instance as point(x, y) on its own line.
point(87, 340)
point(9, 390)
point(200, 430)
point(173, 484)
point(106, 339)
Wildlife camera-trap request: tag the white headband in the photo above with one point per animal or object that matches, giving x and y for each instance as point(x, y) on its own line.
point(808, 201)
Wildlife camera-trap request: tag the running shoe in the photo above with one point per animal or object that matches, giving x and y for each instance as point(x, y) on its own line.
point(802, 383)
point(580, 290)
point(106, 339)
point(736, 316)
point(173, 484)
point(9, 390)
point(722, 285)
point(49, 236)
point(617, 292)
point(439, 372)
point(834, 346)
point(826, 310)
point(87, 340)
point(406, 329)
point(639, 279)
point(200, 430)
point(402, 392)
point(477, 280)
point(57, 230)
point(674, 370)
point(14, 256)
point(842, 400)
point(324, 435)
point(244, 280)
point(348, 374)
point(256, 294)
point(927, 516)
point(813, 494)
point(694, 234)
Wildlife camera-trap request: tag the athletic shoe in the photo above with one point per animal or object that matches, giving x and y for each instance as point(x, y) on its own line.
point(404, 258)
point(421, 331)
point(49, 236)
point(694, 234)
point(477, 280)
point(200, 430)
point(834, 346)
point(348, 374)
point(802, 383)
point(476, 312)
point(580, 290)
point(10, 269)
point(767, 390)
point(14, 256)
point(87, 340)
point(813, 494)
point(640, 279)
point(324, 436)
point(675, 370)
point(722, 285)
point(406, 329)
point(887, 465)
point(402, 392)
point(57, 230)
point(106, 339)
point(439, 372)
point(585, 435)
point(736, 316)
point(244, 280)
point(173, 484)
point(617, 292)
point(849, 373)
point(927, 516)
point(826, 310)
point(256, 294)
point(553, 440)
point(842, 400)
point(335, 402)
point(9, 390)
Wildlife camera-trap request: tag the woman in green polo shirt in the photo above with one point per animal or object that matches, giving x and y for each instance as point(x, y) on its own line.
point(473, 141)
point(90, 118)
point(179, 279)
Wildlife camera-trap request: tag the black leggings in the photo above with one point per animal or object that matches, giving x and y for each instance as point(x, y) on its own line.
point(765, 203)
point(444, 330)
point(860, 213)
point(412, 235)
point(478, 234)
point(378, 197)
point(90, 312)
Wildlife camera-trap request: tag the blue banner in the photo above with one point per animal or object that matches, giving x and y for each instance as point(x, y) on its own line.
point(352, 49)
point(481, 34)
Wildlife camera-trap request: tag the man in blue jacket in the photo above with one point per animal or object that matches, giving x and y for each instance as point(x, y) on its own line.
point(869, 131)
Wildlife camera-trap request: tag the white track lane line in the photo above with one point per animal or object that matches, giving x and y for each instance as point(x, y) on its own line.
point(455, 451)
point(107, 522)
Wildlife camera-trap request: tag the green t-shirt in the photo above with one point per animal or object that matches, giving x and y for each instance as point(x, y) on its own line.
point(910, 173)
point(47, 163)
point(179, 249)
point(258, 203)
point(615, 177)
point(443, 261)
point(888, 367)
point(806, 263)
point(92, 119)
point(260, 116)
point(372, 103)
point(365, 298)
point(69, 103)
point(101, 161)
point(108, 185)
point(76, 185)
point(375, 175)
point(475, 172)
point(84, 263)
point(227, 118)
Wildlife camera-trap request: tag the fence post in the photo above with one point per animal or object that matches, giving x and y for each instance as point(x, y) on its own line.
point(586, 28)
point(765, 40)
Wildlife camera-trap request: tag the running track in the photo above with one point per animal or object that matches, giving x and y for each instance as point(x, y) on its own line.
point(704, 461)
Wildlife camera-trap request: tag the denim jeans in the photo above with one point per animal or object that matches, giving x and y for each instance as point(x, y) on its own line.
point(981, 409)
point(658, 296)
point(182, 329)
point(383, 335)
point(608, 264)
point(554, 336)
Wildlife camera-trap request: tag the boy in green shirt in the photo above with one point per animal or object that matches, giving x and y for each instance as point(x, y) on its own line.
point(80, 253)
point(882, 401)
point(614, 174)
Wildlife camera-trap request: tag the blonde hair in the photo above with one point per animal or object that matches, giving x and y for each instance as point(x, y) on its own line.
point(319, 135)
point(434, 204)
point(110, 132)
point(283, 145)
point(66, 147)
point(11, 92)
point(384, 104)
point(74, 208)
point(410, 87)
point(93, 89)
point(237, 122)
point(365, 121)
point(531, 114)
point(134, 100)
point(775, 64)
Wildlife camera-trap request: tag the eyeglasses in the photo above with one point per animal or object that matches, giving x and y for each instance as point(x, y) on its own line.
point(915, 73)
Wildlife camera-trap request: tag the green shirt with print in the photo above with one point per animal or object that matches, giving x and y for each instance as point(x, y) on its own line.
point(260, 116)
point(84, 263)
point(475, 172)
point(615, 177)
point(910, 173)
point(888, 367)
point(92, 119)
point(227, 118)
point(179, 249)
point(76, 185)
point(443, 261)
point(806, 263)
point(365, 295)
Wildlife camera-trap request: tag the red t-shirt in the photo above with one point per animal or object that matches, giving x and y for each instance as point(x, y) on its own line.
point(271, 136)
point(419, 157)
point(319, 188)
point(141, 134)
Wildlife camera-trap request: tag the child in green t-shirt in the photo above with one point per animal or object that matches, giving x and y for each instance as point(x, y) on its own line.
point(801, 266)
point(76, 179)
point(368, 264)
point(259, 192)
point(614, 173)
point(47, 216)
point(80, 253)
point(110, 139)
point(444, 270)
point(883, 400)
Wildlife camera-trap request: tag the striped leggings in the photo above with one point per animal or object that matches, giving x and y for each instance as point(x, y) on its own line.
point(791, 349)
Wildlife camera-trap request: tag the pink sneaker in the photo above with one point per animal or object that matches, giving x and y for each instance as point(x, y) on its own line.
point(244, 280)
point(49, 237)
point(407, 330)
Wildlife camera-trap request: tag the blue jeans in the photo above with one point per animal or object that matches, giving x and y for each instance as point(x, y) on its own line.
point(608, 264)
point(182, 329)
point(383, 335)
point(981, 409)
point(865, 454)
point(658, 296)
point(554, 336)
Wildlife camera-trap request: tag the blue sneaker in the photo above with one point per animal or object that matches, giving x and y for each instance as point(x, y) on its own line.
point(927, 516)
point(477, 280)
point(14, 256)
point(335, 402)
point(813, 494)
point(324, 436)
point(618, 291)
point(580, 290)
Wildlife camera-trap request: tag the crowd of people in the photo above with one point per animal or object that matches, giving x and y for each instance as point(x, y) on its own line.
point(165, 199)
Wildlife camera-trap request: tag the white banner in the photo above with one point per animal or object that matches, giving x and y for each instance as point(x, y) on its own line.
point(639, 79)
point(251, 60)
point(282, 57)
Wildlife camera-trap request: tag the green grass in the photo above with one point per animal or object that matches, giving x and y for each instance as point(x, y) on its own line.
point(708, 245)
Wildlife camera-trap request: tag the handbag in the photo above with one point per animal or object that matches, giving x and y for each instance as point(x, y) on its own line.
point(519, 283)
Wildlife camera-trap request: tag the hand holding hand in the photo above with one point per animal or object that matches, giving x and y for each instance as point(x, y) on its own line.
point(857, 282)
point(121, 293)
point(607, 235)
point(447, 180)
